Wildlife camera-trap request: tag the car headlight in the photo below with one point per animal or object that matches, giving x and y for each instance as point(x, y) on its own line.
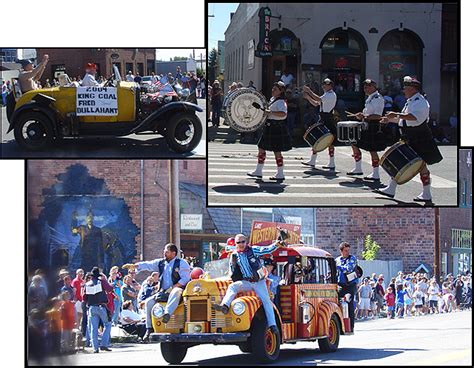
point(238, 308)
point(158, 311)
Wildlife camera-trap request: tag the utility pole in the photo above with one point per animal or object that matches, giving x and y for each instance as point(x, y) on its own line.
point(174, 204)
point(436, 265)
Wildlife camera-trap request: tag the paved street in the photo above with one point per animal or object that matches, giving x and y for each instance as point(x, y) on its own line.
point(228, 184)
point(444, 339)
point(131, 146)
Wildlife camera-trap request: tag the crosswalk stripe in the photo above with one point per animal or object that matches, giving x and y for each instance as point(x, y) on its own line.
point(299, 195)
point(278, 184)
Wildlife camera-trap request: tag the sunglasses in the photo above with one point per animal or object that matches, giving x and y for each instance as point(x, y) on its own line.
point(240, 242)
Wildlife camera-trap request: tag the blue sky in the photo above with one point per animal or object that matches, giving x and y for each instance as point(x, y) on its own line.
point(219, 23)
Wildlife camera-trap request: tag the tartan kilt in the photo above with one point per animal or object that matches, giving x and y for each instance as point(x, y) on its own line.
point(275, 136)
point(327, 118)
point(373, 139)
point(421, 140)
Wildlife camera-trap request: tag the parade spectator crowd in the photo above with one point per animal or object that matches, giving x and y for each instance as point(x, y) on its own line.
point(408, 295)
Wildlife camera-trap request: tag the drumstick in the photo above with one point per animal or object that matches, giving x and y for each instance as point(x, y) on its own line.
point(350, 113)
point(257, 106)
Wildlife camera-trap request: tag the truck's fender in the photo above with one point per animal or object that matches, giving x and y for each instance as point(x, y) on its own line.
point(150, 122)
point(40, 103)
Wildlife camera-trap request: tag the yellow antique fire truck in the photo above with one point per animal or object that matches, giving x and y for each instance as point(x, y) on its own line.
point(306, 307)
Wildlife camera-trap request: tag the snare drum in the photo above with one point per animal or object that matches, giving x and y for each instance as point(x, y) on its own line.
point(349, 131)
point(401, 162)
point(318, 137)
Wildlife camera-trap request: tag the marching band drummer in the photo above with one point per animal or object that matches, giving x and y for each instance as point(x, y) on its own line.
point(370, 140)
point(275, 135)
point(328, 102)
point(413, 124)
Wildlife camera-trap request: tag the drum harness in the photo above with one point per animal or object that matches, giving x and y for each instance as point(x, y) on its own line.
point(270, 122)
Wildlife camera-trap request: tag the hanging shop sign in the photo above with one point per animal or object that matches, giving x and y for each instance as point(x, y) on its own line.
point(264, 233)
point(264, 47)
point(191, 222)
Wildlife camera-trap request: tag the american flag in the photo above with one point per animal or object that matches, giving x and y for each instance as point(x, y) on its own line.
point(164, 88)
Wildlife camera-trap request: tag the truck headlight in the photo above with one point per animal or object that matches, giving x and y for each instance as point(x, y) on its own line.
point(158, 311)
point(238, 308)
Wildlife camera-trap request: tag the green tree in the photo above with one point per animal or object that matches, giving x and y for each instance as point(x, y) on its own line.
point(371, 248)
point(212, 64)
point(178, 58)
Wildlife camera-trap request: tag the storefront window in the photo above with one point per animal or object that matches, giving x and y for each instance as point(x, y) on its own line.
point(400, 55)
point(343, 61)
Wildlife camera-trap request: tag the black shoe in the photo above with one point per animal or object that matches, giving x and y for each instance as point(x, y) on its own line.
point(354, 173)
point(383, 193)
point(275, 178)
point(254, 176)
point(146, 338)
point(369, 178)
point(96, 351)
point(274, 329)
point(105, 348)
point(329, 167)
point(222, 308)
point(166, 317)
point(416, 199)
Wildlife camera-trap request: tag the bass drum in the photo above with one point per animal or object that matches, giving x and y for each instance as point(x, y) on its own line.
point(401, 162)
point(318, 137)
point(240, 113)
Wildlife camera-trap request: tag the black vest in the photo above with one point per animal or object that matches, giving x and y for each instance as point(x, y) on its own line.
point(94, 293)
point(254, 262)
point(175, 277)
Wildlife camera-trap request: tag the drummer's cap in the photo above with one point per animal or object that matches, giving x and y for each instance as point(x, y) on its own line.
point(411, 82)
point(91, 66)
point(25, 62)
point(328, 81)
point(280, 85)
point(370, 82)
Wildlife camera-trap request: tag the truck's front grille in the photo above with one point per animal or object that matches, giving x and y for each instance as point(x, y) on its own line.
point(198, 310)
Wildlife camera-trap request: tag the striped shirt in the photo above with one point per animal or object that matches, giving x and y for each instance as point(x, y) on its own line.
point(258, 251)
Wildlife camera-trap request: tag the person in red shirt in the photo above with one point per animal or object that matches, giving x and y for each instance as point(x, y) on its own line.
point(67, 322)
point(77, 284)
point(390, 300)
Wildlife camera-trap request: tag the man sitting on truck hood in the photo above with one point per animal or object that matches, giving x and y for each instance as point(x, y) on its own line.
point(174, 274)
point(248, 274)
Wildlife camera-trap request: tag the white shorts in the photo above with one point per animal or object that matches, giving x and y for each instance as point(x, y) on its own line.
point(364, 303)
point(78, 306)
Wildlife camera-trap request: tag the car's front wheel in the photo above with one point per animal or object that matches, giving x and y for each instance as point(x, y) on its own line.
point(331, 342)
point(265, 343)
point(173, 353)
point(183, 132)
point(33, 131)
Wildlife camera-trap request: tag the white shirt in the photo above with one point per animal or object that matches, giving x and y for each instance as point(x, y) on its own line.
point(130, 77)
point(89, 81)
point(279, 105)
point(130, 314)
point(287, 79)
point(328, 101)
point(419, 108)
point(374, 104)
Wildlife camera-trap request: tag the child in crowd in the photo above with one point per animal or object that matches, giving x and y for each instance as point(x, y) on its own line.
point(408, 299)
point(418, 296)
point(400, 300)
point(390, 301)
point(68, 321)
point(433, 293)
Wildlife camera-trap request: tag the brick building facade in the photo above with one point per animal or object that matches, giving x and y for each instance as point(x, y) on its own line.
point(57, 188)
point(72, 61)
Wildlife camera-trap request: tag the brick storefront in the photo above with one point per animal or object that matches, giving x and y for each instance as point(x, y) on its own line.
point(74, 60)
point(403, 233)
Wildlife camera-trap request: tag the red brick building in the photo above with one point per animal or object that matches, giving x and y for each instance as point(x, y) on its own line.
point(72, 61)
point(111, 191)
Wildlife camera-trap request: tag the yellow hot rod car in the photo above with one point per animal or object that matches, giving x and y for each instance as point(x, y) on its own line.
point(307, 308)
point(40, 117)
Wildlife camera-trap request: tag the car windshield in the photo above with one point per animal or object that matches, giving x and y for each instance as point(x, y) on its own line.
point(146, 79)
point(217, 268)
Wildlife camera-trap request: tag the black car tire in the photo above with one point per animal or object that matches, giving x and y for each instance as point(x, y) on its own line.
point(175, 128)
point(44, 132)
point(172, 352)
point(245, 347)
point(265, 344)
point(330, 343)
